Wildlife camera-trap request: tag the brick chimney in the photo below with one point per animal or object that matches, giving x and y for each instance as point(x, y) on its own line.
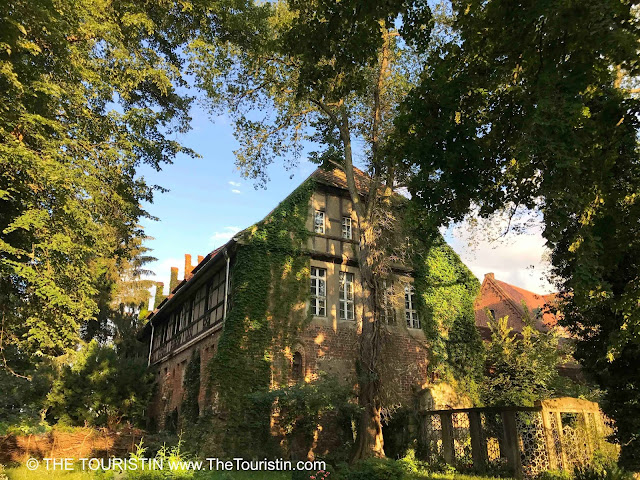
point(188, 268)
point(173, 283)
point(200, 258)
point(490, 275)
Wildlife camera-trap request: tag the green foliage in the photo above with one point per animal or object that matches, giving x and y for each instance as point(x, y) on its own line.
point(448, 290)
point(301, 406)
point(269, 277)
point(190, 410)
point(21, 399)
point(520, 368)
point(374, 469)
point(509, 120)
point(89, 94)
point(554, 475)
point(99, 388)
point(604, 469)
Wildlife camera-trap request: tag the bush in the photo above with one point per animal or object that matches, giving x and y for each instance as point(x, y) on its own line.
point(101, 388)
point(375, 469)
point(554, 475)
point(602, 471)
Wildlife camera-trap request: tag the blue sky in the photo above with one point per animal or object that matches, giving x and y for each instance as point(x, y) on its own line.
point(208, 201)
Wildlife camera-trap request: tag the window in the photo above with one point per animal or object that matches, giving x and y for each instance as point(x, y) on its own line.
point(318, 222)
point(346, 296)
point(200, 303)
point(185, 315)
point(346, 228)
point(410, 307)
point(296, 366)
point(175, 322)
point(318, 291)
point(215, 302)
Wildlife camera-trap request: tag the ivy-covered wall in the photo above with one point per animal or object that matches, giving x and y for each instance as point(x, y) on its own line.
point(270, 283)
point(447, 291)
point(269, 277)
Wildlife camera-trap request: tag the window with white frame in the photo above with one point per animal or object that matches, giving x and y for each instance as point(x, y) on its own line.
point(410, 311)
point(346, 296)
point(318, 222)
point(346, 228)
point(318, 292)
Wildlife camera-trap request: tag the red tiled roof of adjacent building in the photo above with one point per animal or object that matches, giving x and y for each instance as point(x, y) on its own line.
point(532, 301)
point(504, 299)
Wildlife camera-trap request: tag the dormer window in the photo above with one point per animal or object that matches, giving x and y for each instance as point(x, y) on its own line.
point(318, 222)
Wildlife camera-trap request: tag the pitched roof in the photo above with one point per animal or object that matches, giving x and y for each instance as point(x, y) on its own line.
point(519, 296)
point(337, 178)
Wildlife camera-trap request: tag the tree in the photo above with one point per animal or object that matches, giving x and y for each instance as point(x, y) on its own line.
point(537, 108)
point(520, 368)
point(283, 91)
point(90, 93)
point(101, 388)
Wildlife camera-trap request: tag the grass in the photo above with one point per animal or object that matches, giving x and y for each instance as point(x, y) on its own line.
point(22, 473)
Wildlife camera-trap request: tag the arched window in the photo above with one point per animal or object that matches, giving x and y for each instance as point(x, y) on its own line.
point(296, 366)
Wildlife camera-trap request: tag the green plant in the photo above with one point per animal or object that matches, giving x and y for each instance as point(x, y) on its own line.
point(610, 471)
point(271, 264)
point(554, 475)
point(100, 388)
point(191, 385)
point(374, 469)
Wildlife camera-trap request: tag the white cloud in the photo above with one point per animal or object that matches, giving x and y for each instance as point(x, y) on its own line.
point(234, 184)
point(236, 191)
point(222, 236)
point(519, 259)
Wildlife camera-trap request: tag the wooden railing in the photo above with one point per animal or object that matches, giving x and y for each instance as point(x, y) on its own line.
point(525, 441)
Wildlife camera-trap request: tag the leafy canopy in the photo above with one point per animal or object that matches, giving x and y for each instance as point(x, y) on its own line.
point(536, 107)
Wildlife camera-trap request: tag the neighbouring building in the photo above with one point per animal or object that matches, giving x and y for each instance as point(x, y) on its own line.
point(499, 299)
point(297, 268)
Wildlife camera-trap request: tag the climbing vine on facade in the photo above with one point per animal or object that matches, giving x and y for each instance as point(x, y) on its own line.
point(269, 278)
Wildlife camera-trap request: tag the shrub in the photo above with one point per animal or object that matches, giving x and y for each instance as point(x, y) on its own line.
point(607, 470)
point(375, 469)
point(554, 475)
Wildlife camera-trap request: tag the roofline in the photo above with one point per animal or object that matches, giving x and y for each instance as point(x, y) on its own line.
point(211, 258)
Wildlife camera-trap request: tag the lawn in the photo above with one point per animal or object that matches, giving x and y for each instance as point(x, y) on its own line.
point(22, 473)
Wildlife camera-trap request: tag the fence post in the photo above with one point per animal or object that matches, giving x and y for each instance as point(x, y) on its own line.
point(478, 442)
point(448, 451)
point(548, 437)
point(511, 442)
point(588, 431)
point(563, 454)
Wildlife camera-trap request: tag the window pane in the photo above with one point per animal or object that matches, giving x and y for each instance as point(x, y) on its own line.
point(319, 222)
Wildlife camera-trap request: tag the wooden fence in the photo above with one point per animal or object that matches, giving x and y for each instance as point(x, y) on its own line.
point(559, 433)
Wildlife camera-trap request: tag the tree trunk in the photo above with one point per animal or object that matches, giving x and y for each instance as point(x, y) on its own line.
point(370, 442)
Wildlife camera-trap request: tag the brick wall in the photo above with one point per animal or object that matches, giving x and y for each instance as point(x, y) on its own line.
point(170, 375)
point(334, 350)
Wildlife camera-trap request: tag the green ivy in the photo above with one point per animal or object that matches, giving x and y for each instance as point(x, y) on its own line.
point(191, 385)
point(270, 275)
point(446, 291)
